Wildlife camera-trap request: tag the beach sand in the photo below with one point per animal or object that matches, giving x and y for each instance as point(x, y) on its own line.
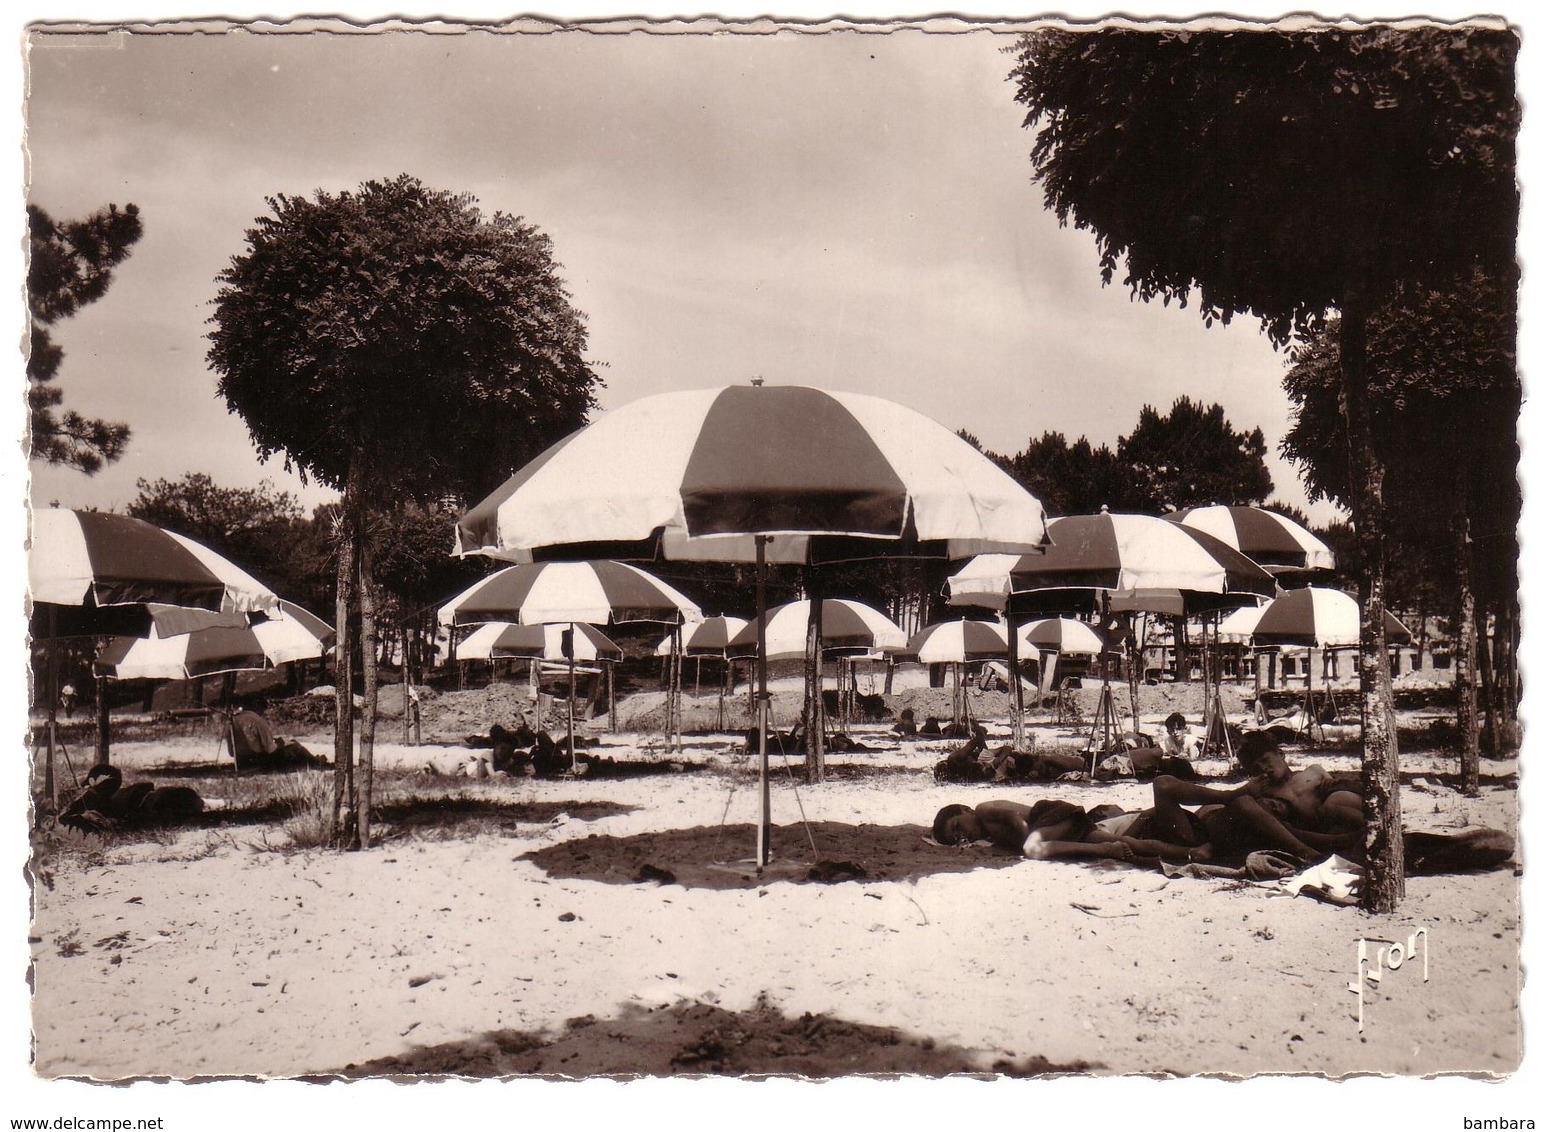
point(614, 926)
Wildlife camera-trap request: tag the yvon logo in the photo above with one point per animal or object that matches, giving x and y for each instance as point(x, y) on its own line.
point(1377, 956)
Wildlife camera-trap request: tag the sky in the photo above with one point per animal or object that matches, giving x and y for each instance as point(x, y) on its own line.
point(848, 211)
point(853, 211)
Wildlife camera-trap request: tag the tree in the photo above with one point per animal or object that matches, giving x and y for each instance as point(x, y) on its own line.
point(1284, 175)
point(396, 344)
point(1188, 457)
point(70, 264)
point(1192, 457)
point(265, 530)
point(1444, 395)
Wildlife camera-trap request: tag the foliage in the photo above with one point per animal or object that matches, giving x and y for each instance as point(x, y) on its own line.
point(264, 530)
point(400, 322)
point(1192, 457)
point(411, 550)
point(1445, 394)
point(70, 264)
point(1277, 173)
point(1189, 457)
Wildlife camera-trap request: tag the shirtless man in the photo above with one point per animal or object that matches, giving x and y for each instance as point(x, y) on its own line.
point(1305, 813)
point(1045, 830)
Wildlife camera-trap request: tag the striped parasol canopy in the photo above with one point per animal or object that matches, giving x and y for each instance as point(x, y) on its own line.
point(757, 474)
point(595, 593)
point(709, 637)
point(1061, 635)
point(92, 572)
point(845, 624)
point(1239, 627)
point(288, 634)
point(499, 640)
point(698, 474)
point(1319, 618)
point(1271, 540)
point(1141, 561)
point(961, 641)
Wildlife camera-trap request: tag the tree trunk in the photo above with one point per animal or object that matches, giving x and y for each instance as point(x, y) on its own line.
point(815, 723)
point(1489, 696)
point(1384, 877)
point(369, 644)
point(1507, 631)
point(104, 725)
point(343, 667)
point(407, 685)
point(1464, 662)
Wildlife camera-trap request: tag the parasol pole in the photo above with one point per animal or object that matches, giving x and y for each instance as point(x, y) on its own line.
point(53, 706)
point(1016, 693)
point(573, 758)
point(764, 825)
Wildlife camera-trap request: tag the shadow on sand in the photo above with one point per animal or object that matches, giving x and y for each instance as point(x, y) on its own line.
point(699, 1039)
point(722, 856)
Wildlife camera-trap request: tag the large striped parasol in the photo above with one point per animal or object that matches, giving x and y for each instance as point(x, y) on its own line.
point(595, 593)
point(1269, 539)
point(288, 634)
point(92, 572)
point(962, 641)
point(1061, 635)
point(699, 474)
point(845, 624)
point(1318, 618)
point(1142, 562)
point(500, 640)
point(756, 474)
point(710, 637)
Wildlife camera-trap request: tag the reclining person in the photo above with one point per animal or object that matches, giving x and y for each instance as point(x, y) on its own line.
point(1306, 813)
point(1048, 829)
point(254, 746)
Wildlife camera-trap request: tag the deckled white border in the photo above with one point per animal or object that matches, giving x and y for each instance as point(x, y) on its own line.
point(1261, 1104)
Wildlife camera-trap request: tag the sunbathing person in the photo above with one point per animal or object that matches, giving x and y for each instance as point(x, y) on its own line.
point(906, 725)
point(105, 803)
point(254, 746)
point(1048, 829)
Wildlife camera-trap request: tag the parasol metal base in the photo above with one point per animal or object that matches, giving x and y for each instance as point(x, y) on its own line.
point(773, 870)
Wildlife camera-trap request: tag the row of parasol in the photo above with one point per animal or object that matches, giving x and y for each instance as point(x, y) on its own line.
point(792, 474)
point(765, 474)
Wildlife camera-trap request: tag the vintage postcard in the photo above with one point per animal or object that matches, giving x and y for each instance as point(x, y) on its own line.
point(652, 555)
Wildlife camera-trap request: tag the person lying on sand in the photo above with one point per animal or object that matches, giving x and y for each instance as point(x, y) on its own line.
point(254, 746)
point(1306, 813)
point(105, 803)
point(1048, 829)
point(973, 762)
point(906, 725)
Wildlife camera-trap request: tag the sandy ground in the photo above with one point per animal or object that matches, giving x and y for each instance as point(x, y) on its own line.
point(589, 927)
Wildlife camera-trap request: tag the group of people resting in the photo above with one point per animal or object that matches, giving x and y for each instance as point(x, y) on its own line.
point(1306, 814)
point(973, 761)
point(105, 803)
point(523, 751)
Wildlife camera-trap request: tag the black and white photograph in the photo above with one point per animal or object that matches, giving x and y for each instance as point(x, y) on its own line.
point(957, 560)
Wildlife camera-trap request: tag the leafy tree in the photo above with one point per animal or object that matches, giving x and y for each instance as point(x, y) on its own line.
point(70, 264)
point(1192, 456)
point(1073, 479)
point(1444, 394)
point(1188, 457)
point(265, 531)
point(395, 343)
point(1284, 175)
